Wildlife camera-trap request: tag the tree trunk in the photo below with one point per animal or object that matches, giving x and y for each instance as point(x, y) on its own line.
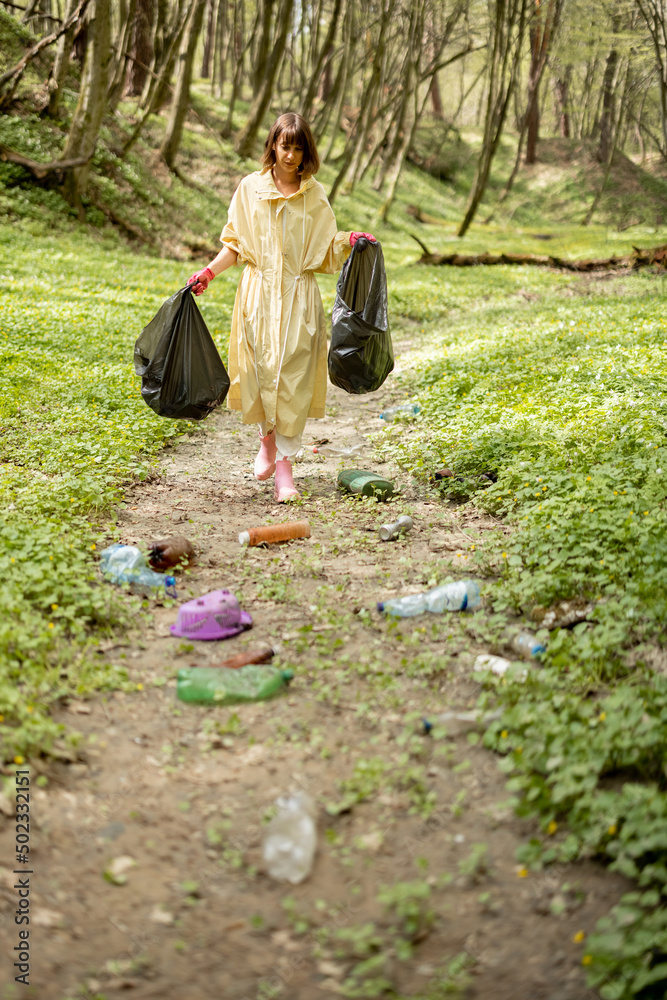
point(61, 63)
point(158, 46)
point(608, 103)
point(122, 47)
point(509, 30)
point(436, 99)
point(322, 57)
point(563, 103)
point(142, 47)
point(219, 62)
point(246, 139)
point(85, 127)
point(181, 99)
point(542, 31)
point(208, 40)
point(260, 52)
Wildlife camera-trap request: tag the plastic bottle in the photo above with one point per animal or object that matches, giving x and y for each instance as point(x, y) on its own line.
point(275, 533)
point(337, 450)
point(127, 564)
point(171, 552)
point(388, 532)
point(459, 596)
point(365, 483)
point(527, 646)
point(221, 686)
point(498, 665)
point(393, 411)
point(290, 839)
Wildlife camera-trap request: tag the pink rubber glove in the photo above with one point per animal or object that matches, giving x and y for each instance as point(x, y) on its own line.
point(201, 280)
point(357, 236)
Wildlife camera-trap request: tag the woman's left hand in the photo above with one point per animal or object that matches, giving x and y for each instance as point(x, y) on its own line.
point(359, 236)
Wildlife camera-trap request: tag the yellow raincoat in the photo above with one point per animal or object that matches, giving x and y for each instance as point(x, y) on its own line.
point(278, 343)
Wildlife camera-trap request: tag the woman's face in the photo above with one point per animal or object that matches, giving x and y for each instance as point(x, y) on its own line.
point(289, 155)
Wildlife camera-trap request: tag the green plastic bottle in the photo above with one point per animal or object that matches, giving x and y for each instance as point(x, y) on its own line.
point(368, 484)
point(222, 686)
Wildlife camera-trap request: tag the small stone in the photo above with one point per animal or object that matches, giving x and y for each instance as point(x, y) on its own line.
point(160, 916)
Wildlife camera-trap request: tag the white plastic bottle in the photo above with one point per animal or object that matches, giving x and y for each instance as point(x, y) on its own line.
point(290, 839)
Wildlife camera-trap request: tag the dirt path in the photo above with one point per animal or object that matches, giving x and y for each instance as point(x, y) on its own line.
point(182, 790)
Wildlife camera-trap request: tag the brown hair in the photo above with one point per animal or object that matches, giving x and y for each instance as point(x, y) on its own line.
point(295, 129)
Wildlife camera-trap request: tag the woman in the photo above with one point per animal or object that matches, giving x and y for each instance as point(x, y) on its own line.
point(280, 224)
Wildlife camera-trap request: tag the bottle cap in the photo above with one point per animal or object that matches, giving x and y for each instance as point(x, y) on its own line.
point(244, 538)
point(287, 675)
point(170, 581)
point(380, 605)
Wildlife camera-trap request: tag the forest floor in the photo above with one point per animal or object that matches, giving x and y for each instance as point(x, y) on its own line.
point(146, 848)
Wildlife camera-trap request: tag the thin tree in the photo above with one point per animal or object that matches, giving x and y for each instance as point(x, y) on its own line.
point(181, 96)
point(508, 25)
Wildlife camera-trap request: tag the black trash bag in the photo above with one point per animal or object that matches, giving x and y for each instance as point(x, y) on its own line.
point(182, 374)
point(361, 353)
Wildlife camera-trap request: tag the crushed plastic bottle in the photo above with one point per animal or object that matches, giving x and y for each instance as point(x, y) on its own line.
point(499, 666)
point(168, 552)
point(461, 722)
point(463, 595)
point(365, 483)
point(127, 564)
point(224, 686)
point(393, 411)
point(527, 646)
point(339, 451)
point(290, 839)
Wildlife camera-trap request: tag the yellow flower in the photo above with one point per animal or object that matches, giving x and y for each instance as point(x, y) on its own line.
point(588, 479)
point(587, 959)
point(53, 607)
point(553, 826)
point(578, 937)
point(522, 872)
point(504, 555)
point(612, 830)
point(93, 547)
point(50, 625)
point(504, 734)
point(602, 716)
point(30, 708)
point(140, 687)
point(18, 760)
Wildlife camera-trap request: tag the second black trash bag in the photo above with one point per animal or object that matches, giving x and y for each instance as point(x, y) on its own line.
point(361, 353)
point(182, 374)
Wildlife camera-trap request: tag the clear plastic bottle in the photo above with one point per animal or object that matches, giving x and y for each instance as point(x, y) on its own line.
point(393, 411)
point(336, 450)
point(459, 596)
point(499, 666)
point(290, 839)
point(527, 646)
point(127, 564)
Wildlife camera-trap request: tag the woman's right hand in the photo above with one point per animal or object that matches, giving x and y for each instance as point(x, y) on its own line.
point(201, 280)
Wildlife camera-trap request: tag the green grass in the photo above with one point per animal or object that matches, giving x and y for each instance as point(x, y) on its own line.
point(74, 431)
point(556, 387)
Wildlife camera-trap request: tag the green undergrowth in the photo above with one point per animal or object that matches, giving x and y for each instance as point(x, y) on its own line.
point(73, 431)
point(553, 388)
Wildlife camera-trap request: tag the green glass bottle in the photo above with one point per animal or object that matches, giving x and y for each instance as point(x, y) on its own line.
point(366, 483)
point(222, 686)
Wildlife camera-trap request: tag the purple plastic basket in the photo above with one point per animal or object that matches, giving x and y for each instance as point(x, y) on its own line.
point(214, 616)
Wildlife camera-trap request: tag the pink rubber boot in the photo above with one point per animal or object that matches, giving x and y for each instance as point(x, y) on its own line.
point(285, 489)
point(265, 463)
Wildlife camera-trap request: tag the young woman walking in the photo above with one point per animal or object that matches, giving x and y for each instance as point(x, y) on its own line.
point(281, 225)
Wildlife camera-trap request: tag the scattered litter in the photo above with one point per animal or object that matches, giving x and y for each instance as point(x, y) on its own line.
point(332, 449)
point(117, 868)
point(393, 411)
point(365, 483)
point(214, 616)
point(442, 474)
point(564, 614)
point(388, 532)
point(275, 533)
point(527, 646)
point(463, 595)
point(499, 666)
point(160, 916)
point(79, 708)
point(127, 564)
point(221, 686)
point(171, 552)
point(251, 656)
point(290, 839)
